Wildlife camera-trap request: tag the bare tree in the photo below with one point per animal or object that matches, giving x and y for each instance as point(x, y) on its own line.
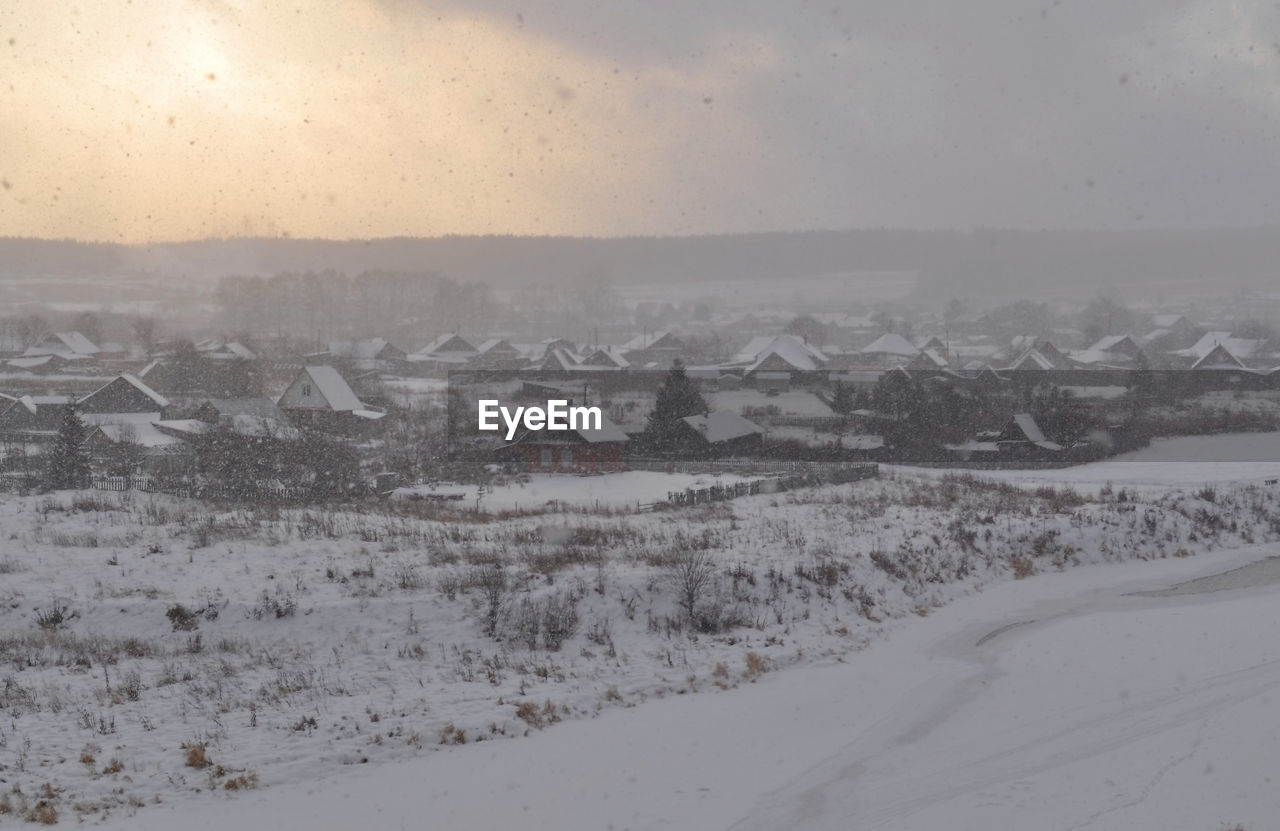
point(144, 331)
point(692, 575)
point(491, 579)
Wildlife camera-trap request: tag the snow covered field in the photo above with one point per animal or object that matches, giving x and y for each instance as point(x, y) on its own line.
point(859, 650)
point(1066, 701)
point(615, 490)
point(1186, 462)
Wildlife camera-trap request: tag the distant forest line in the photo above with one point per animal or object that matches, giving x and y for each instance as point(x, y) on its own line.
point(985, 262)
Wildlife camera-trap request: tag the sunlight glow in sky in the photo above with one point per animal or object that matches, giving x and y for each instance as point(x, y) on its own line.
point(146, 120)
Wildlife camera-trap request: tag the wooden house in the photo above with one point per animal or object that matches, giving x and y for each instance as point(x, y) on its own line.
point(579, 451)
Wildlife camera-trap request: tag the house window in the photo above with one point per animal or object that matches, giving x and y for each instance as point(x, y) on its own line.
point(566, 457)
point(547, 458)
point(306, 390)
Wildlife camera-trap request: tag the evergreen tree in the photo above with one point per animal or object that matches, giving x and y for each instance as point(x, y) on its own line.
point(678, 398)
point(68, 461)
point(843, 400)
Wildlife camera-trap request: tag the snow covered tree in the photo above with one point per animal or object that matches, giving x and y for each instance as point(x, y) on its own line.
point(843, 400)
point(67, 464)
point(678, 398)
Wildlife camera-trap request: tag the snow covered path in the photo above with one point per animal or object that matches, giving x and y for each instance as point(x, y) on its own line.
point(1065, 701)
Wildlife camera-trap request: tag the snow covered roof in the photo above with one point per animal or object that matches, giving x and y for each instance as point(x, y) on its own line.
point(367, 349)
point(140, 431)
point(501, 345)
point(248, 424)
point(1220, 357)
point(29, 363)
point(77, 343)
point(145, 390)
point(449, 343)
point(241, 351)
point(1115, 343)
point(1032, 359)
point(606, 357)
point(1155, 334)
point(156, 398)
point(793, 352)
point(608, 432)
point(722, 425)
point(334, 388)
point(193, 426)
point(1027, 424)
point(891, 344)
point(653, 340)
point(1242, 348)
point(928, 357)
point(558, 358)
point(1029, 428)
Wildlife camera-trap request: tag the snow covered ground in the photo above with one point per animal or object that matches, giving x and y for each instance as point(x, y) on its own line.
point(858, 650)
point(1066, 701)
point(623, 490)
point(1188, 462)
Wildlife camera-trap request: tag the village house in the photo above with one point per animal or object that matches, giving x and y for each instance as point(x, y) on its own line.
point(320, 397)
point(653, 350)
point(448, 351)
point(66, 344)
point(583, 450)
point(371, 354)
point(718, 433)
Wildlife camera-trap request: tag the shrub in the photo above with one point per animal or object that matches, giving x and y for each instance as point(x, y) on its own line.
point(43, 813)
point(197, 757)
point(182, 618)
point(53, 616)
point(529, 713)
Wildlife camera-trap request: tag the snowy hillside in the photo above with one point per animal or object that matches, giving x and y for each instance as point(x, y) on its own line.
point(161, 650)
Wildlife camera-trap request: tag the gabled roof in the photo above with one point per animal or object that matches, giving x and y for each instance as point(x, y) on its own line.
point(332, 387)
point(65, 344)
point(77, 343)
point(1037, 359)
point(159, 400)
point(927, 359)
point(791, 351)
point(1219, 358)
point(1028, 427)
point(1241, 348)
point(448, 343)
point(605, 357)
point(653, 340)
point(498, 346)
point(367, 349)
point(1114, 343)
point(722, 425)
point(891, 344)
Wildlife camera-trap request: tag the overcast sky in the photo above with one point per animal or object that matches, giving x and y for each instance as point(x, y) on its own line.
point(144, 120)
